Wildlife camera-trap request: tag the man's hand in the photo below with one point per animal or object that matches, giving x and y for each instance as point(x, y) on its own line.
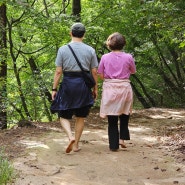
point(54, 93)
point(95, 93)
point(57, 77)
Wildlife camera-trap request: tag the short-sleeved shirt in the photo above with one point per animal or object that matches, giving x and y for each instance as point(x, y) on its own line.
point(85, 54)
point(117, 65)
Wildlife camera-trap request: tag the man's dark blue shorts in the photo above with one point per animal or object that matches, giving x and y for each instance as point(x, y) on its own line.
point(79, 112)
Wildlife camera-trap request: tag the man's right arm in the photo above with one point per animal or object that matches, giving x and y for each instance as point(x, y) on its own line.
point(57, 77)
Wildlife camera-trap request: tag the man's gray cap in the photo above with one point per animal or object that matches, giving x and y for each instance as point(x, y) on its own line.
point(78, 27)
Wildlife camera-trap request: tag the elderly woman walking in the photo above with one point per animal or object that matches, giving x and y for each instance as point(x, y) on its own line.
point(115, 69)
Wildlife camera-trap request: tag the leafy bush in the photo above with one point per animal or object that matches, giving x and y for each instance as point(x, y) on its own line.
point(7, 172)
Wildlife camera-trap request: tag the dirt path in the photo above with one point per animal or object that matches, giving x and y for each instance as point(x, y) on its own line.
point(145, 161)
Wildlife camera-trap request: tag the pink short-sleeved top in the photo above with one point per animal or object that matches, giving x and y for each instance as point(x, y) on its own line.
point(117, 65)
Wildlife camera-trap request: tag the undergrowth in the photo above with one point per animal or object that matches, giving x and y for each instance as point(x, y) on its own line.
point(7, 172)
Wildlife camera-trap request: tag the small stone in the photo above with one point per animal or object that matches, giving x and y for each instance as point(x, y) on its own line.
point(156, 168)
point(178, 169)
point(175, 182)
point(163, 170)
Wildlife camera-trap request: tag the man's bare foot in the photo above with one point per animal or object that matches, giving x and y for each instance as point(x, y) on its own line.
point(70, 146)
point(76, 149)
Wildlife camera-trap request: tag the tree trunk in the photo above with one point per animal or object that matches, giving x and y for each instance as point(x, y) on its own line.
point(3, 67)
point(16, 72)
point(76, 10)
point(153, 103)
point(140, 97)
point(36, 71)
point(44, 91)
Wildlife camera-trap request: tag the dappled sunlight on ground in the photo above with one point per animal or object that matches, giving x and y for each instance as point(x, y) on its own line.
point(33, 144)
point(140, 129)
point(154, 155)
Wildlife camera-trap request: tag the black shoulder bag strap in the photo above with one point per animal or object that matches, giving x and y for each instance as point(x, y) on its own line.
point(88, 78)
point(76, 58)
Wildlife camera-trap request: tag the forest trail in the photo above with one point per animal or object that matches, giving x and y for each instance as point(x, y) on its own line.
point(149, 159)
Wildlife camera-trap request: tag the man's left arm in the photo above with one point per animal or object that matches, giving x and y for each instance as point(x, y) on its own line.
point(95, 88)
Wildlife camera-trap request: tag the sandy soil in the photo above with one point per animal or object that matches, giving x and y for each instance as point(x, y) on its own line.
point(155, 155)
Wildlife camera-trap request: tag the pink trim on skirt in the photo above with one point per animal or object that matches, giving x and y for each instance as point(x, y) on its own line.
point(117, 97)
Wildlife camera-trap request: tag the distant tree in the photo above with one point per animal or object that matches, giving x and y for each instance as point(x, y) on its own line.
point(76, 10)
point(3, 67)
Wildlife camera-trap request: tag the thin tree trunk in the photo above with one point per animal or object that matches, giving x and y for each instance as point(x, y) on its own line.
point(140, 97)
point(145, 91)
point(3, 67)
point(162, 57)
point(16, 72)
point(44, 91)
point(35, 70)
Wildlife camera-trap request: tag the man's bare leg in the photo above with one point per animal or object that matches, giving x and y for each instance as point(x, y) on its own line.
point(79, 126)
point(67, 128)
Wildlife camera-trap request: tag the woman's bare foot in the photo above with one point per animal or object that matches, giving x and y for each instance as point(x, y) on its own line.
point(122, 144)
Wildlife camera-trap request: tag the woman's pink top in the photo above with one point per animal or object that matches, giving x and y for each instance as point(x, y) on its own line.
point(117, 65)
point(117, 95)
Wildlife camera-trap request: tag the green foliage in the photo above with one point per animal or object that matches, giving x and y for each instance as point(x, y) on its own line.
point(7, 172)
point(154, 31)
